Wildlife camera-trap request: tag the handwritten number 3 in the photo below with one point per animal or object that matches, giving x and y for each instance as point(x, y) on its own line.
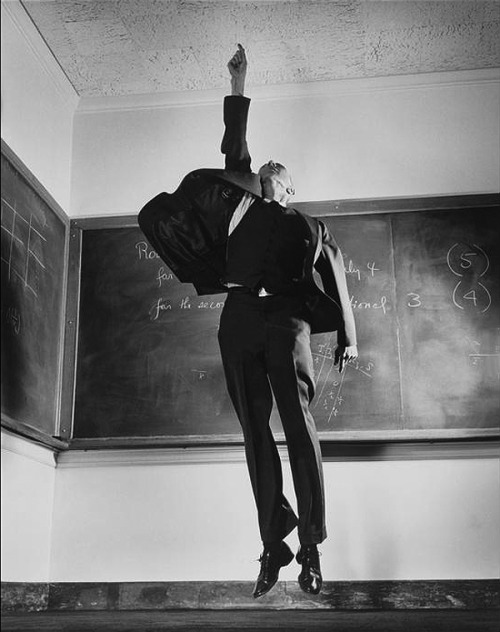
point(414, 300)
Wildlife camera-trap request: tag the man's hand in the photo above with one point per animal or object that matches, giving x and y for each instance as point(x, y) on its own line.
point(237, 66)
point(344, 355)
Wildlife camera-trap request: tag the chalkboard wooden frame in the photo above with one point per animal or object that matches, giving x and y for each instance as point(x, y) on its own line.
point(317, 209)
point(18, 426)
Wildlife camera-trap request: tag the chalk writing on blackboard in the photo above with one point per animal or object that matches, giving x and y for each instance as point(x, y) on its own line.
point(13, 319)
point(462, 257)
point(470, 263)
point(485, 355)
point(163, 276)
point(329, 383)
point(380, 304)
point(23, 253)
point(144, 251)
point(161, 305)
point(414, 299)
point(200, 374)
point(186, 303)
point(351, 268)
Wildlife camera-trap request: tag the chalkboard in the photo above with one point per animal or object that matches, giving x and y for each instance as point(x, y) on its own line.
point(425, 294)
point(448, 279)
point(34, 251)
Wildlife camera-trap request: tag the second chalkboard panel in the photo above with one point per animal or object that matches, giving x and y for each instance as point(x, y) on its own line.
point(424, 290)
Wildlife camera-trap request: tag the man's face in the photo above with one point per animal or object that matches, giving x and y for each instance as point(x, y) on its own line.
point(276, 182)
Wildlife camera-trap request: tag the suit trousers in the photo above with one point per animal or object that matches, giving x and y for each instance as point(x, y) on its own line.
point(265, 348)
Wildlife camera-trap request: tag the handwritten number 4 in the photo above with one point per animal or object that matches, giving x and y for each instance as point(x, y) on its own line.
point(471, 296)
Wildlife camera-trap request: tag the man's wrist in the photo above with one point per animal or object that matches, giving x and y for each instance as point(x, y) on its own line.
point(238, 87)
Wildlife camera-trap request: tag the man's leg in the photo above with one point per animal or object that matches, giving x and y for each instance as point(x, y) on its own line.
point(290, 369)
point(242, 338)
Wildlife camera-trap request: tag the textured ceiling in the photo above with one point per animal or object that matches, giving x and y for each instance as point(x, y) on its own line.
point(117, 47)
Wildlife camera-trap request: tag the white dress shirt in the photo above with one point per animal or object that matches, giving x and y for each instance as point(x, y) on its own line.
point(246, 202)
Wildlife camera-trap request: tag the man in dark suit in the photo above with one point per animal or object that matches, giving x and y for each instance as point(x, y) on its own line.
point(231, 231)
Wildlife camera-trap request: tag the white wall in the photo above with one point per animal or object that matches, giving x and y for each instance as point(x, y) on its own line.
point(388, 520)
point(28, 477)
point(400, 136)
point(38, 104)
point(37, 123)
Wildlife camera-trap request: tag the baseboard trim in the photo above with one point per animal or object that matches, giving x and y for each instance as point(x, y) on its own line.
point(482, 594)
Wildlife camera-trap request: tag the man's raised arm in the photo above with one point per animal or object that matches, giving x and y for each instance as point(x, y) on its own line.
point(234, 143)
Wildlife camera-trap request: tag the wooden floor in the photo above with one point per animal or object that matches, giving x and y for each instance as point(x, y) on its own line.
point(252, 621)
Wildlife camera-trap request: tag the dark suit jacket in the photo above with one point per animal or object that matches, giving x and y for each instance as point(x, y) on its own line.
point(189, 230)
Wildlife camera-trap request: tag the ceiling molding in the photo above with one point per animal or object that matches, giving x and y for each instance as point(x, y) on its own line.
point(165, 100)
point(17, 15)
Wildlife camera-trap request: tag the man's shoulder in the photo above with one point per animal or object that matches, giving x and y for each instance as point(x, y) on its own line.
point(205, 172)
point(313, 222)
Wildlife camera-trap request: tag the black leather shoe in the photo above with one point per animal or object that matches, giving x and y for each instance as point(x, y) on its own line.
point(271, 560)
point(310, 579)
